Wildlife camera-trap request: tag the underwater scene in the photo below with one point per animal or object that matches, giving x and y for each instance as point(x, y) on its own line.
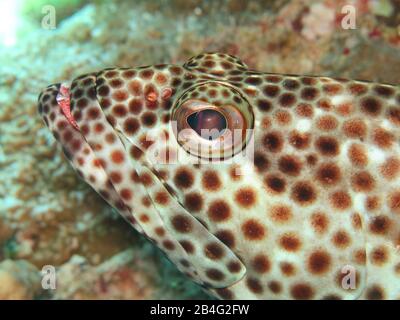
point(192, 149)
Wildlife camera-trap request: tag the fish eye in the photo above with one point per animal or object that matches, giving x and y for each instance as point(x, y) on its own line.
point(207, 120)
point(212, 120)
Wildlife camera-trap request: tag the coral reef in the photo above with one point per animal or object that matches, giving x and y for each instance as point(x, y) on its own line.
point(49, 217)
point(18, 280)
point(117, 278)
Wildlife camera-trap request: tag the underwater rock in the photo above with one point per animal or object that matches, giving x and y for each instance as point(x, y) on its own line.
point(19, 280)
point(318, 22)
point(114, 279)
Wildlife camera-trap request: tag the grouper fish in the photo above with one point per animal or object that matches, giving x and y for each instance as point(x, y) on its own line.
point(255, 185)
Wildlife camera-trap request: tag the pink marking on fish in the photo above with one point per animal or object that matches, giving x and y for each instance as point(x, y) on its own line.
point(63, 101)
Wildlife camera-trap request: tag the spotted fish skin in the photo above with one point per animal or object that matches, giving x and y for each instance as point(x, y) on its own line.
point(318, 206)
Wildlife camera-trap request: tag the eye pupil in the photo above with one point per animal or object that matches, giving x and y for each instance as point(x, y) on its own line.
point(208, 124)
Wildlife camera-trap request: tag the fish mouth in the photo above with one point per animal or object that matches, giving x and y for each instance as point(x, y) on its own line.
point(53, 102)
point(56, 106)
point(77, 149)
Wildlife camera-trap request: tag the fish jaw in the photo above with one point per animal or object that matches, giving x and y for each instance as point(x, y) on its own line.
point(76, 149)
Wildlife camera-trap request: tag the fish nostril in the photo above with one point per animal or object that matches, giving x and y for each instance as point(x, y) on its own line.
point(208, 124)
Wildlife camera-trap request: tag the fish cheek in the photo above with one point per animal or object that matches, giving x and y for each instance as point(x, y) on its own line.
point(203, 252)
point(210, 256)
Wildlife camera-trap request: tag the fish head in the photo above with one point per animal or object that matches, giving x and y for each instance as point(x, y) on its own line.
point(253, 184)
point(135, 136)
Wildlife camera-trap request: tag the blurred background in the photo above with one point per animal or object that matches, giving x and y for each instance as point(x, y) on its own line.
point(47, 215)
